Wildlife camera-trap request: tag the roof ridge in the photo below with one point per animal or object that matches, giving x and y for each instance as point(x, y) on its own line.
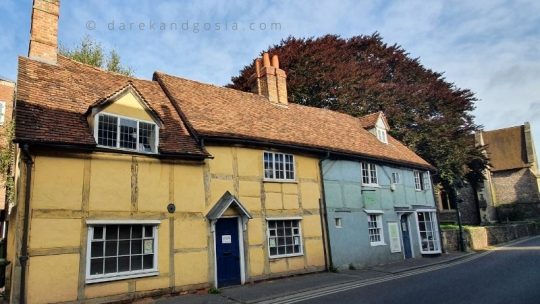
point(86, 65)
point(253, 94)
point(210, 84)
point(501, 129)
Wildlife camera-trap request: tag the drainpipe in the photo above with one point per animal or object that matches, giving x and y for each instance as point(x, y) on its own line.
point(324, 219)
point(23, 258)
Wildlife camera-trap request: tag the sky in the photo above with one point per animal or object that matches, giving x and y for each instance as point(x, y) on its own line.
point(491, 47)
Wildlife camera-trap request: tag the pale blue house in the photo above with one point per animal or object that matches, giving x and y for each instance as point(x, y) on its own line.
point(379, 211)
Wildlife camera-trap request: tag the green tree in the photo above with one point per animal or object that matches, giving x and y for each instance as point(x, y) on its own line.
point(92, 53)
point(362, 75)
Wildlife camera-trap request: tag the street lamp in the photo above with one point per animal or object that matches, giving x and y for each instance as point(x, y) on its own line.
point(459, 183)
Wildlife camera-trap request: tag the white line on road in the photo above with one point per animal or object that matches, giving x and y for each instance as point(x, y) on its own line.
point(312, 294)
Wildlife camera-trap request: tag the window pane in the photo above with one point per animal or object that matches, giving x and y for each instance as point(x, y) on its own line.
point(98, 233)
point(128, 133)
point(136, 262)
point(147, 137)
point(124, 247)
point(148, 261)
point(112, 233)
point(123, 263)
point(110, 265)
point(136, 232)
point(136, 247)
point(111, 248)
point(268, 165)
point(148, 231)
point(125, 232)
point(107, 130)
point(96, 266)
point(97, 249)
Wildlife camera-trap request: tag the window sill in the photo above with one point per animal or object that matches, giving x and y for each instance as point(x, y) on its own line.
point(377, 244)
point(277, 257)
point(126, 150)
point(371, 185)
point(149, 273)
point(283, 181)
point(430, 252)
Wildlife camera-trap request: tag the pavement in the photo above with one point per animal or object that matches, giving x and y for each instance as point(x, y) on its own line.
point(266, 291)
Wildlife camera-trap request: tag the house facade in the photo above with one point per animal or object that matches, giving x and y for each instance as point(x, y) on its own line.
point(128, 187)
point(510, 190)
point(377, 211)
point(7, 94)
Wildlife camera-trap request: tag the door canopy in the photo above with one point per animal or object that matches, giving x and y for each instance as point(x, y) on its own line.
point(225, 202)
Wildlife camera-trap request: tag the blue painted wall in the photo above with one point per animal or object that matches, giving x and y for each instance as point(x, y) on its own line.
point(347, 199)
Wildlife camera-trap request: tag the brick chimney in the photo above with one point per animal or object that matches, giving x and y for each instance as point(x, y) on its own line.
point(270, 80)
point(44, 30)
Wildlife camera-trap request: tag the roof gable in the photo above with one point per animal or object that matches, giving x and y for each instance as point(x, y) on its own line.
point(506, 148)
point(128, 102)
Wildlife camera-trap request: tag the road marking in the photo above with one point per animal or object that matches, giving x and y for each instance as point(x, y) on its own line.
point(324, 291)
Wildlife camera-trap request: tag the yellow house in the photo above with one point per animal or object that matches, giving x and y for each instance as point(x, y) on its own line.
point(120, 196)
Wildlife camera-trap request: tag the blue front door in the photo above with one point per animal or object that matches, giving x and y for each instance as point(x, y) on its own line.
point(406, 236)
point(227, 252)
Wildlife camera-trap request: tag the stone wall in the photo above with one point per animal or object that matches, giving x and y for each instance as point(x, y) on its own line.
point(513, 186)
point(478, 238)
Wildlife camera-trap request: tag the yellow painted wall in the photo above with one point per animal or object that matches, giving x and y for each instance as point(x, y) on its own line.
point(239, 171)
point(69, 189)
point(72, 188)
point(128, 105)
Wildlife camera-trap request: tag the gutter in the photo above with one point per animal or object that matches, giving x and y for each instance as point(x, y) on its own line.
point(329, 265)
point(94, 148)
point(320, 151)
point(23, 258)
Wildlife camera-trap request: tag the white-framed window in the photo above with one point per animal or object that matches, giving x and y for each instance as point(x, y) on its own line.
point(279, 166)
point(396, 178)
point(422, 180)
point(2, 112)
point(120, 132)
point(427, 180)
point(375, 229)
point(369, 174)
point(338, 222)
point(381, 135)
point(428, 232)
point(284, 237)
point(121, 250)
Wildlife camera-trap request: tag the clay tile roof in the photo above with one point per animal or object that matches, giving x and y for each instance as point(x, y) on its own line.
point(506, 148)
point(221, 112)
point(369, 121)
point(52, 101)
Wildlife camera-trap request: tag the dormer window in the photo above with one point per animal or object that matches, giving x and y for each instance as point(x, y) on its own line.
point(126, 133)
point(381, 135)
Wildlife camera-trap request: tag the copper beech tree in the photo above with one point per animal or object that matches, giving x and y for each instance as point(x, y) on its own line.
point(362, 74)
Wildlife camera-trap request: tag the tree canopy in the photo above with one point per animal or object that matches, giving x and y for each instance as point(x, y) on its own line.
point(92, 53)
point(362, 75)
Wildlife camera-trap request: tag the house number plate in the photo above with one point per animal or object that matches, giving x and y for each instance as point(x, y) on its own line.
point(225, 239)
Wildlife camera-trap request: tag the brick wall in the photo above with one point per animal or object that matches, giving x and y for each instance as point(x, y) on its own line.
point(7, 91)
point(512, 186)
point(478, 238)
point(468, 209)
point(44, 30)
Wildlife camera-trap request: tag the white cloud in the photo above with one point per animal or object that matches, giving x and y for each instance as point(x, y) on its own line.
point(489, 46)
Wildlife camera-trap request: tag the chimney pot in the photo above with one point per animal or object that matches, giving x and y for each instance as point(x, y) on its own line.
point(266, 60)
point(275, 61)
point(269, 80)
